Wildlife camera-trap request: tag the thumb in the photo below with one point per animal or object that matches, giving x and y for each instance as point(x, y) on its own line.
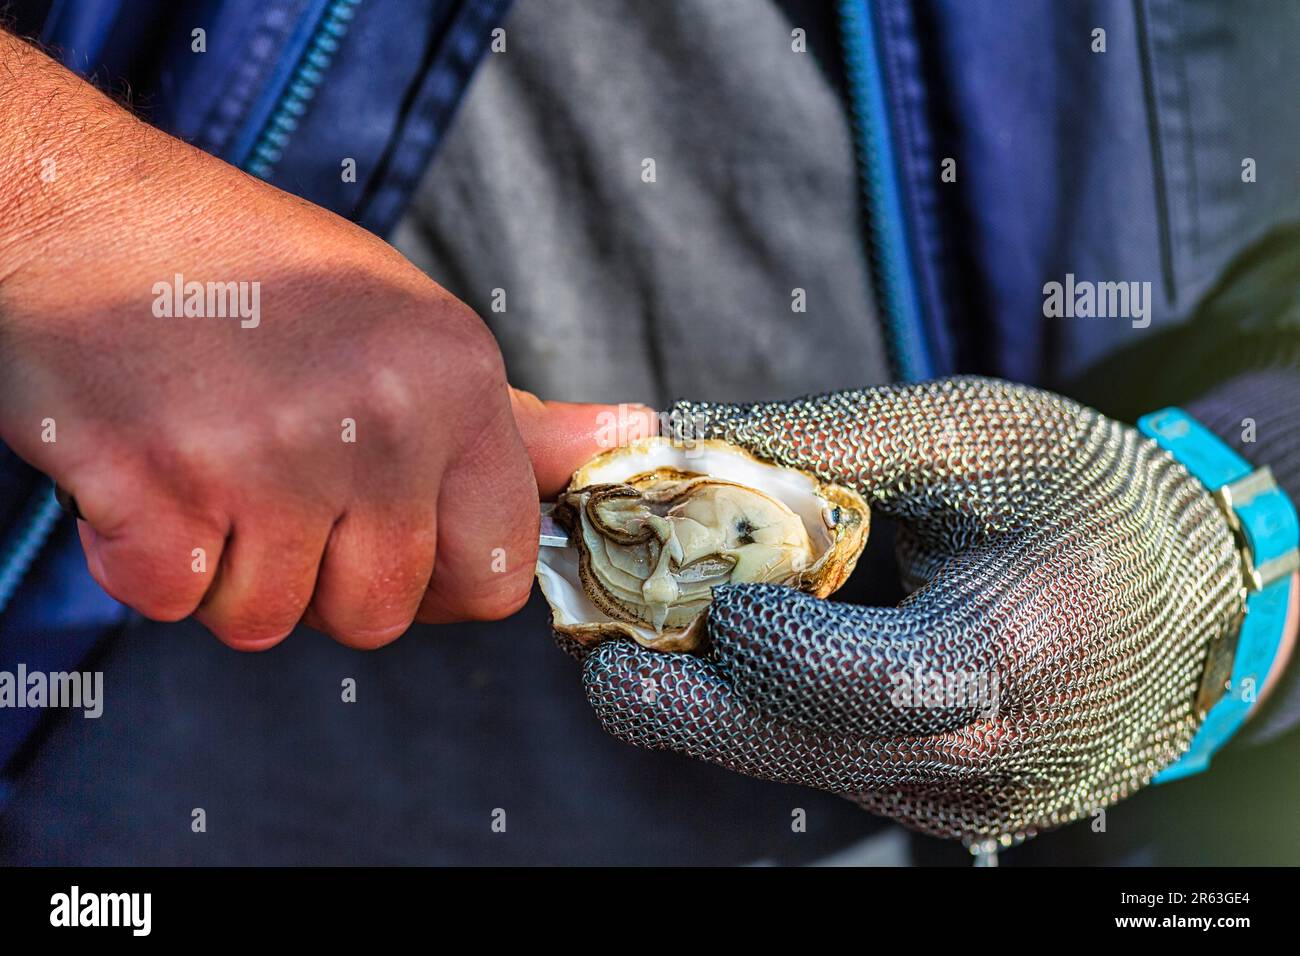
point(562, 436)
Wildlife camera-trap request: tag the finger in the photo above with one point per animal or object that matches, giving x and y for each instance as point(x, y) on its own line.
point(373, 575)
point(930, 665)
point(265, 581)
point(162, 566)
point(561, 436)
point(488, 521)
point(953, 456)
point(993, 622)
point(845, 669)
point(682, 703)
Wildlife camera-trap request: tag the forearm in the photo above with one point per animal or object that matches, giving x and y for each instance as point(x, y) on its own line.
point(62, 144)
point(80, 176)
point(1255, 413)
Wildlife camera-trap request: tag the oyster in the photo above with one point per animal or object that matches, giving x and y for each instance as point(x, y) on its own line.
point(655, 526)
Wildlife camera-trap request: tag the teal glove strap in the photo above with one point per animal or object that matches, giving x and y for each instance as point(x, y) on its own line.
point(1264, 521)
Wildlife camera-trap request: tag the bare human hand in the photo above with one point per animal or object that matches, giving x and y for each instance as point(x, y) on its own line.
point(331, 437)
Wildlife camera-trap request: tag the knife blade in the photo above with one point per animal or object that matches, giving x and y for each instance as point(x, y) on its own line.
point(553, 534)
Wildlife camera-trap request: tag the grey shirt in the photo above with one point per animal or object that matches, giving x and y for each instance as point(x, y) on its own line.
point(622, 283)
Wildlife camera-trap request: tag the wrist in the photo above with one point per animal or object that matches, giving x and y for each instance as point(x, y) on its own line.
point(1264, 525)
point(72, 163)
point(1286, 649)
point(1253, 413)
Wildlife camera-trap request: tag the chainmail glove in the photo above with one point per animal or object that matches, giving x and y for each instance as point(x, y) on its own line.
point(1062, 565)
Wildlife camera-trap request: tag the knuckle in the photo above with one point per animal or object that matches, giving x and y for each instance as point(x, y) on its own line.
point(479, 371)
point(479, 590)
point(516, 599)
point(156, 607)
point(253, 625)
point(390, 407)
point(366, 638)
point(493, 607)
point(157, 596)
point(479, 349)
point(367, 596)
point(449, 343)
point(244, 638)
point(504, 600)
point(196, 456)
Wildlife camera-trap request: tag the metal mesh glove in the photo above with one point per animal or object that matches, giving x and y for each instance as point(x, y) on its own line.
point(1072, 577)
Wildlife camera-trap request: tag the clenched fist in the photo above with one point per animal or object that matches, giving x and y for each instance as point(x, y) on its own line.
point(263, 411)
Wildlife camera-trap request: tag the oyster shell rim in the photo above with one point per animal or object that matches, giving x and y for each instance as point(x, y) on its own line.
point(849, 538)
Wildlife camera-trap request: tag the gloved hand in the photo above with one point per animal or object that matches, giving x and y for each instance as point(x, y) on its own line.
point(1068, 570)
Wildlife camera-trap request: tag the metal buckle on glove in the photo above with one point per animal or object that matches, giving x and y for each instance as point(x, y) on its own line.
point(1216, 679)
point(1238, 495)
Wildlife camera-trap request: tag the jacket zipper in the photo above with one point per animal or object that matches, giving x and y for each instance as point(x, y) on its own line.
point(33, 529)
point(892, 269)
point(306, 79)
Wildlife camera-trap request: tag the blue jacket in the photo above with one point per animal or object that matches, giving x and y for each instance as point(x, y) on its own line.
point(1113, 156)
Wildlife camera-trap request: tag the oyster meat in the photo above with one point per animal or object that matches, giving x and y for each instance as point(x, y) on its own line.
point(655, 526)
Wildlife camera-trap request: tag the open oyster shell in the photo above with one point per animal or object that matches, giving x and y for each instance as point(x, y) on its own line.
point(655, 525)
